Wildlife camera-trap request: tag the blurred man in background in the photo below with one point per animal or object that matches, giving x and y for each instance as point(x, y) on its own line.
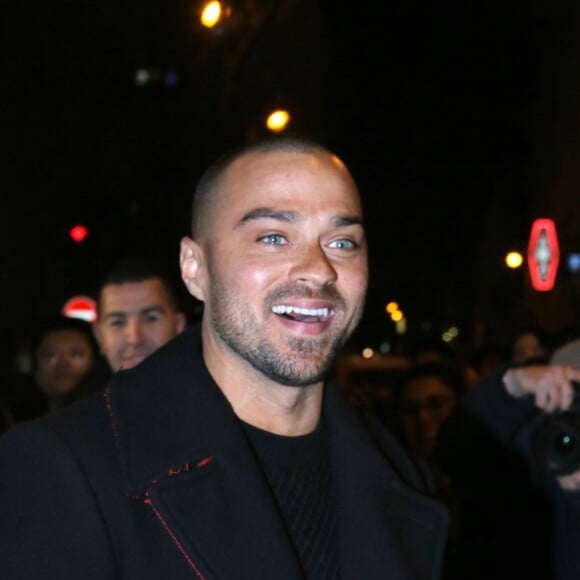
point(138, 312)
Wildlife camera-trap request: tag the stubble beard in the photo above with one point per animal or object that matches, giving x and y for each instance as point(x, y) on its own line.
point(306, 361)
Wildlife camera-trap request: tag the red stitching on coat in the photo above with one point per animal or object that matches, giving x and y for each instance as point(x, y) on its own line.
point(204, 462)
point(133, 495)
point(149, 502)
point(109, 407)
point(178, 470)
point(185, 468)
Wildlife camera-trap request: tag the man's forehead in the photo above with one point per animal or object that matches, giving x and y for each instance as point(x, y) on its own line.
point(133, 295)
point(287, 178)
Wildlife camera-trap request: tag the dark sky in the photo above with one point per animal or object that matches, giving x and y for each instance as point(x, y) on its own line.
point(434, 100)
point(426, 102)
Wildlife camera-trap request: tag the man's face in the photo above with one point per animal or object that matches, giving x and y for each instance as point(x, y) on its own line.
point(425, 405)
point(284, 270)
point(63, 359)
point(135, 319)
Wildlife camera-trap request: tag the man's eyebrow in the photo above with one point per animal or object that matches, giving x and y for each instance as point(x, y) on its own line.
point(115, 314)
point(292, 216)
point(268, 213)
point(156, 309)
point(346, 220)
point(148, 310)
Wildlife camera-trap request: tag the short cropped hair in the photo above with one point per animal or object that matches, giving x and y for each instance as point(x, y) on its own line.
point(210, 178)
point(137, 268)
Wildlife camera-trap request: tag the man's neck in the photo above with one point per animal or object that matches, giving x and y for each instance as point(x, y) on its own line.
point(295, 412)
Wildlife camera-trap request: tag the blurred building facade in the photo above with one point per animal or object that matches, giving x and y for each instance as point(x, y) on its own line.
point(551, 179)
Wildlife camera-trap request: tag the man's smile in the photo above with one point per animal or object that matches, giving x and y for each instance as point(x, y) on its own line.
point(301, 314)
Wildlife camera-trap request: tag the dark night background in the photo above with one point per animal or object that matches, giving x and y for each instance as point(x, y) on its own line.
point(428, 103)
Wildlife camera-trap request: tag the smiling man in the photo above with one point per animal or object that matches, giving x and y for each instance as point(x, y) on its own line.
point(226, 454)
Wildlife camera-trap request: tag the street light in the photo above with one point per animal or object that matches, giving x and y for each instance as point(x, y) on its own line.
point(211, 14)
point(278, 120)
point(514, 260)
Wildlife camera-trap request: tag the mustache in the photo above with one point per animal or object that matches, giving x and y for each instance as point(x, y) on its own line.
point(297, 291)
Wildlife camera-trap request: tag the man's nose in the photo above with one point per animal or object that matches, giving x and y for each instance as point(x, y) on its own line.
point(314, 266)
point(134, 332)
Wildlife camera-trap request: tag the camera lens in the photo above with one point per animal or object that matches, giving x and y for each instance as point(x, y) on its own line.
point(556, 444)
point(564, 443)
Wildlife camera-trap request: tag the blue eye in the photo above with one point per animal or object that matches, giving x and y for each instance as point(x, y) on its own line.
point(273, 239)
point(343, 244)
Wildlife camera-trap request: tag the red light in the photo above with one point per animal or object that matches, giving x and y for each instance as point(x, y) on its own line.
point(543, 254)
point(78, 233)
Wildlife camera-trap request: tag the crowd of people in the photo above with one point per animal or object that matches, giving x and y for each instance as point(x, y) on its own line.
point(150, 447)
point(502, 503)
point(138, 311)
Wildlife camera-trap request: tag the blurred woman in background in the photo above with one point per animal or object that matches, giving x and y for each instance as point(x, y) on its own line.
point(67, 362)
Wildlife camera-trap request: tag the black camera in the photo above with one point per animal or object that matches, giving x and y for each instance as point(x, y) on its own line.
point(556, 441)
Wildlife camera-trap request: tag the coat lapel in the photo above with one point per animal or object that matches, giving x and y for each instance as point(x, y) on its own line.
point(184, 453)
point(404, 531)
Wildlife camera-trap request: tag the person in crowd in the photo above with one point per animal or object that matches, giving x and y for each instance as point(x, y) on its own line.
point(67, 363)
point(486, 359)
point(513, 506)
point(225, 453)
point(138, 312)
point(529, 346)
point(425, 397)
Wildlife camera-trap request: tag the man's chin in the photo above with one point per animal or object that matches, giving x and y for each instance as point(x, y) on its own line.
point(130, 362)
point(301, 372)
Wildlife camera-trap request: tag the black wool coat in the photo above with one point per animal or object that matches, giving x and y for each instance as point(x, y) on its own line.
point(154, 479)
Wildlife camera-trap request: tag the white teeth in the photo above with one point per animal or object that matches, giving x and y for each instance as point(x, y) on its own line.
point(281, 309)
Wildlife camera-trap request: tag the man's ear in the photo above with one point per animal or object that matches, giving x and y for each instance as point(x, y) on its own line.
point(193, 271)
point(180, 321)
